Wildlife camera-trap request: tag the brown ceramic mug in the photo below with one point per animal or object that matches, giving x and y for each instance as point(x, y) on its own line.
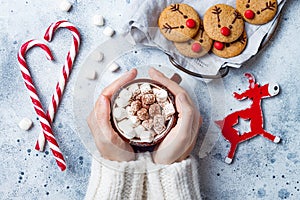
point(170, 123)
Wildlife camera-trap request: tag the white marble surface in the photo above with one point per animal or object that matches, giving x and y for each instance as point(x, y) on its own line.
point(262, 169)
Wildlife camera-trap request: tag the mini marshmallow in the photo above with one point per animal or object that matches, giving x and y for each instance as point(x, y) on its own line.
point(146, 136)
point(125, 94)
point(125, 125)
point(145, 88)
point(159, 124)
point(148, 124)
point(129, 111)
point(134, 89)
point(119, 113)
point(138, 130)
point(98, 56)
point(98, 20)
point(113, 67)
point(91, 75)
point(126, 128)
point(65, 5)
point(25, 124)
point(169, 110)
point(135, 121)
point(121, 102)
point(155, 91)
point(161, 95)
point(108, 31)
point(130, 135)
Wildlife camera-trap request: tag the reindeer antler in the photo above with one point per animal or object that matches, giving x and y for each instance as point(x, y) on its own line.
point(175, 8)
point(217, 11)
point(269, 6)
point(169, 28)
point(237, 15)
point(242, 39)
point(201, 28)
point(251, 80)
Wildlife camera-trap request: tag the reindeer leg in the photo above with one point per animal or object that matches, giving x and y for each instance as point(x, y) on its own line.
point(271, 137)
point(231, 152)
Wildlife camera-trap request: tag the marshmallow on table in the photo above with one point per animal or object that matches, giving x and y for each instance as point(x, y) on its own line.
point(98, 56)
point(108, 31)
point(119, 113)
point(91, 75)
point(98, 20)
point(113, 67)
point(25, 124)
point(65, 5)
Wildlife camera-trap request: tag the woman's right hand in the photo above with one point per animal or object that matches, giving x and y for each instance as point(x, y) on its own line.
point(179, 143)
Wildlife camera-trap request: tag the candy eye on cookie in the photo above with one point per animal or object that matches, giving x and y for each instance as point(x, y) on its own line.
point(257, 11)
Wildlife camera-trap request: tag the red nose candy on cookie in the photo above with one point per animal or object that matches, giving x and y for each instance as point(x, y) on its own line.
point(249, 14)
point(190, 23)
point(196, 47)
point(225, 31)
point(219, 45)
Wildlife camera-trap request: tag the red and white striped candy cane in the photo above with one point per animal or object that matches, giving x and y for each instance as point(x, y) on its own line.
point(48, 134)
point(66, 70)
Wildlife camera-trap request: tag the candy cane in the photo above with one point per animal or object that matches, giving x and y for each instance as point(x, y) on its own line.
point(48, 134)
point(57, 95)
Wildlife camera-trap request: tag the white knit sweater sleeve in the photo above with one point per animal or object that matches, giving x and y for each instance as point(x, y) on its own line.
point(116, 180)
point(178, 181)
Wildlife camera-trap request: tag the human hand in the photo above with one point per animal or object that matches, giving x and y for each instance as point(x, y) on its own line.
point(110, 145)
point(180, 141)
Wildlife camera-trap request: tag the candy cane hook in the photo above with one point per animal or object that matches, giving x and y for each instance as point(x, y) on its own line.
point(48, 134)
point(66, 70)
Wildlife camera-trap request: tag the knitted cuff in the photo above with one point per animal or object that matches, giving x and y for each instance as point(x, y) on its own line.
point(179, 180)
point(116, 180)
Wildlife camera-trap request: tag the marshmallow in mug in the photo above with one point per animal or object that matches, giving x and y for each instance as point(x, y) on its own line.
point(141, 111)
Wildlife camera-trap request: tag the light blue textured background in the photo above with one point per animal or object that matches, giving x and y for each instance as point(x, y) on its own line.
point(262, 169)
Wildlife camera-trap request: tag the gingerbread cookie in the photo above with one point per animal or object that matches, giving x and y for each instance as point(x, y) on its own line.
point(257, 11)
point(179, 22)
point(223, 23)
point(228, 50)
point(196, 47)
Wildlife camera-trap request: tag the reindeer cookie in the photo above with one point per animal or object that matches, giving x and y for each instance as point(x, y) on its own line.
point(223, 23)
point(196, 47)
point(228, 50)
point(257, 11)
point(179, 22)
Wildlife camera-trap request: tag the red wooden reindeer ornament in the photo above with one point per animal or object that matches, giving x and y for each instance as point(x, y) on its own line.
point(254, 114)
